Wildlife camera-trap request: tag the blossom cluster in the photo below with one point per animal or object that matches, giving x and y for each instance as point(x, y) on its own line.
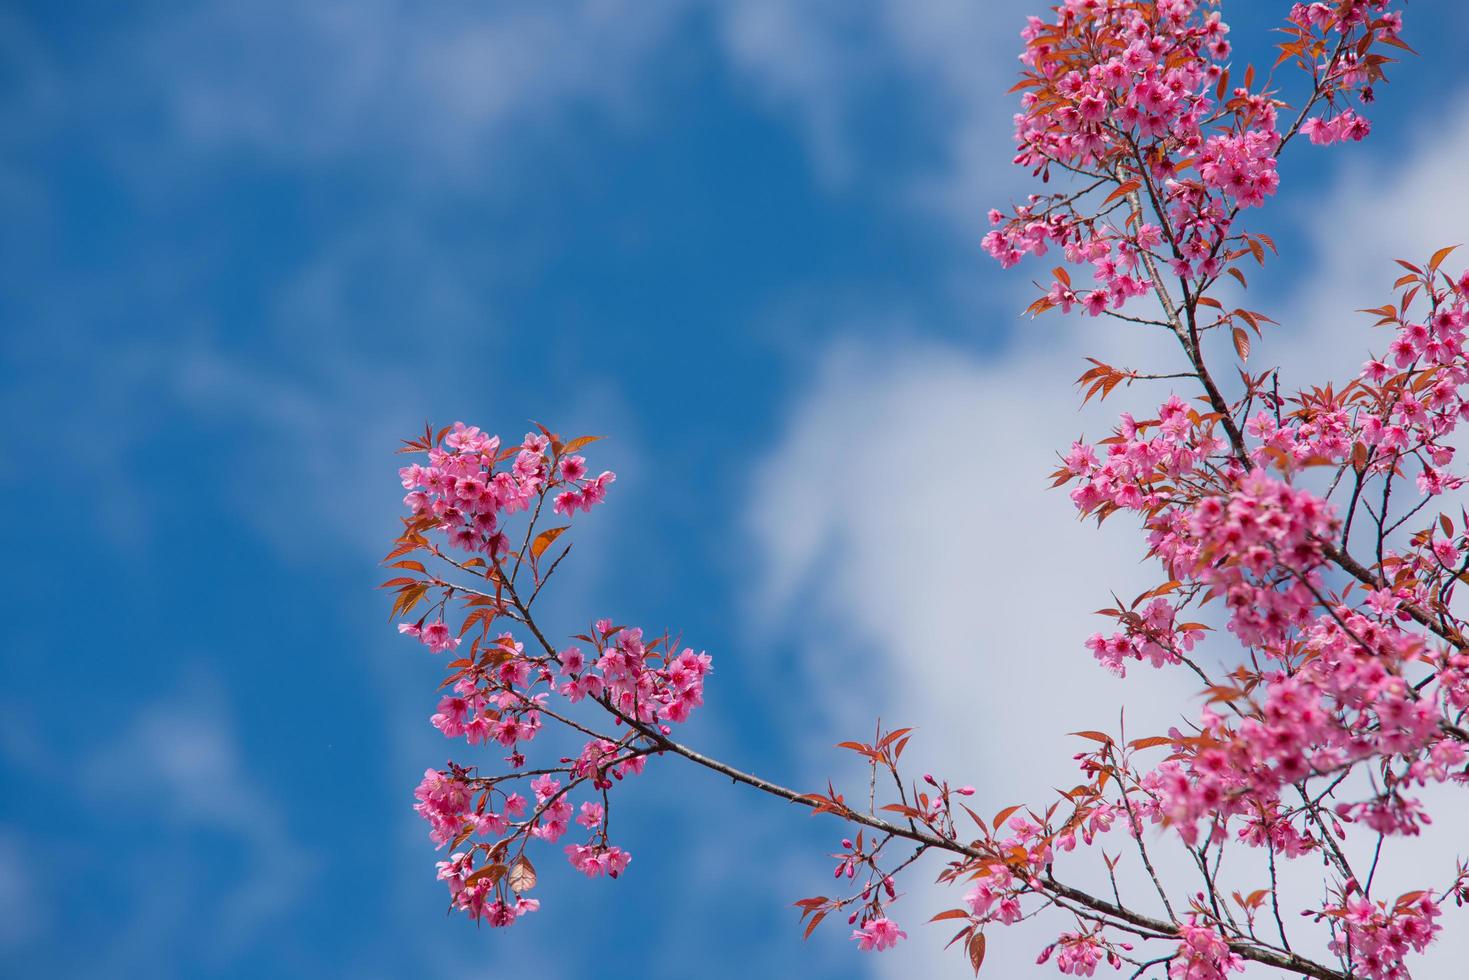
point(876, 935)
point(1153, 635)
point(1346, 666)
point(502, 694)
point(1377, 938)
point(502, 698)
point(1135, 102)
point(465, 493)
point(1077, 954)
point(1260, 547)
point(1141, 93)
point(1125, 478)
point(1203, 954)
point(1403, 408)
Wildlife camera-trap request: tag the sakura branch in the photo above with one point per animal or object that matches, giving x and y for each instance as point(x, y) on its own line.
point(1317, 522)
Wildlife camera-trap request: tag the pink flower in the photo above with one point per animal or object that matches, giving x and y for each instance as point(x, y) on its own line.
point(1203, 955)
point(568, 502)
point(573, 661)
point(515, 805)
point(450, 717)
point(878, 934)
point(573, 467)
point(594, 861)
point(437, 638)
point(545, 787)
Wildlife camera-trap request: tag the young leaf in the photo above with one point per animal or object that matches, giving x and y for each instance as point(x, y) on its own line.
point(1438, 258)
point(1241, 343)
point(543, 540)
point(578, 443)
point(490, 871)
point(976, 951)
point(522, 875)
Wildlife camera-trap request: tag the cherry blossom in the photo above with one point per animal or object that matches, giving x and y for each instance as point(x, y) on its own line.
point(1309, 537)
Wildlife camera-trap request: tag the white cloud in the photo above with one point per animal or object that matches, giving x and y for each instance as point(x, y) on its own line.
point(438, 85)
point(307, 448)
point(30, 103)
point(812, 58)
point(904, 538)
point(24, 911)
point(454, 90)
point(837, 67)
point(1403, 204)
point(178, 763)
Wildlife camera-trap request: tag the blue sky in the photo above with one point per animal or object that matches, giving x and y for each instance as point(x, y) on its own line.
point(249, 246)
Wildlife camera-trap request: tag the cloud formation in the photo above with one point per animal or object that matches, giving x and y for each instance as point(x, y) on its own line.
point(901, 523)
point(179, 763)
point(441, 86)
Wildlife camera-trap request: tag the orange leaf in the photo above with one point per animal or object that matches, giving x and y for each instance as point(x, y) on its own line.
point(1152, 741)
point(578, 443)
point(412, 566)
point(1438, 258)
point(1004, 815)
point(490, 871)
point(1242, 343)
point(976, 951)
point(544, 539)
point(522, 875)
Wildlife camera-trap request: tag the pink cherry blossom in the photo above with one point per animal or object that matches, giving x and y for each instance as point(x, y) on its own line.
point(877, 935)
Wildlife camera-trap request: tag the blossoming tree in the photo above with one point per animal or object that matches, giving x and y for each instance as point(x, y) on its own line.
point(1314, 520)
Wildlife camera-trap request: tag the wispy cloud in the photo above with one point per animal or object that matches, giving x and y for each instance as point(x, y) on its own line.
point(902, 532)
point(846, 70)
point(178, 762)
point(211, 863)
point(439, 88)
point(25, 911)
point(1404, 205)
point(456, 92)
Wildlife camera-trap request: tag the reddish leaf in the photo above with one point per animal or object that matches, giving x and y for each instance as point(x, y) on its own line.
point(578, 443)
point(1004, 815)
point(543, 540)
point(1241, 343)
point(1152, 741)
point(1438, 258)
point(976, 951)
point(490, 871)
point(412, 566)
point(522, 875)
